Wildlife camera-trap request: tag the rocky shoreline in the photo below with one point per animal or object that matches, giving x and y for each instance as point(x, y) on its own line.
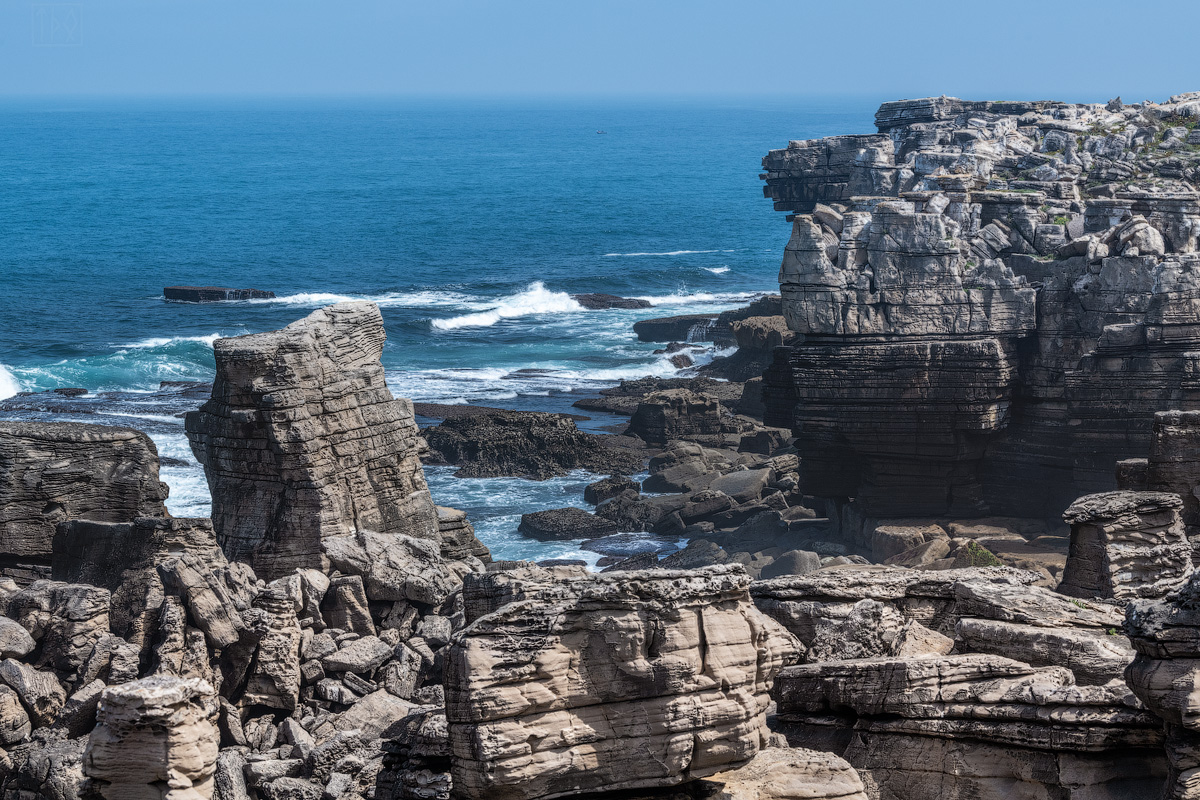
point(929, 532)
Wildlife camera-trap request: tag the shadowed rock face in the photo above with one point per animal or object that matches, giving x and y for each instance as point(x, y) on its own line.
point(990, 300)
point(1166, 635)
point(56, 471)
point(302, 440)
point(567, 682)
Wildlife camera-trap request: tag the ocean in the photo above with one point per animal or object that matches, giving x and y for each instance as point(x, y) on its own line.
point(470, 223)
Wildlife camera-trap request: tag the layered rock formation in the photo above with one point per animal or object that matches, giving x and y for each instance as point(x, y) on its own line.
point(967, 683)
point(302, 440)
point(155, 737)
point(56, 471)
point(1125, 545)
point(1166, 635)
point(565, 683)
point(991, 301)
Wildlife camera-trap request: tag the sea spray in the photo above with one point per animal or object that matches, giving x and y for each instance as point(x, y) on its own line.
point(8, 383)
point(536, 299)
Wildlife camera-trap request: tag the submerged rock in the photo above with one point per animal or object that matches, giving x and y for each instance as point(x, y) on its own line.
point(526, 445)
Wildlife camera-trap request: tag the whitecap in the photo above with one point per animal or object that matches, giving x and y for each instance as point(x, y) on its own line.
point(716, 270)
point(8, 383)
point(163, 341)
point(683, 297)
point(536, 299)
point(665, 253)
point(419, 299)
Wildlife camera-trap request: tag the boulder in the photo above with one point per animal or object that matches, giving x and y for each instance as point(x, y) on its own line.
point(608, 488)
point(676, 414)
point(56, 471)
point(787, 773)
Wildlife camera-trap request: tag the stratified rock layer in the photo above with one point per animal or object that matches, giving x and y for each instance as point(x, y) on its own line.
point(1125, 545)
point(56, 471)
point(991, 300)
point(154, 738)
point(566, 682)
point(302, 440)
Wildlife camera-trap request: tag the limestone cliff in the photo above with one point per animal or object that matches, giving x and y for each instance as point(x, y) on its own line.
point(991, 300)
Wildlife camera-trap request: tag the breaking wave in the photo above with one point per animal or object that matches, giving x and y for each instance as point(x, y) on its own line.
point(536, 299)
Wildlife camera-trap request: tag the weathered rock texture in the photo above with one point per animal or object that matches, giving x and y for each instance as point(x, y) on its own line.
point(566, 683)
point(56, 471)
point(302, 440)
point(155, 737)
point(962, 683)
point(1125, 545)
point(523, 444)
point(1165, 674)
point(991, 301)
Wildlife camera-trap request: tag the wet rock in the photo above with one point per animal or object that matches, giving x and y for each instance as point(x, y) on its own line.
point(213, 294)
point(565, 523)
point(524, 445)
point(600, 301)
point(608, 488)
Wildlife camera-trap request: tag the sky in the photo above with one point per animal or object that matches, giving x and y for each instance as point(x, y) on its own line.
point(1065, 50)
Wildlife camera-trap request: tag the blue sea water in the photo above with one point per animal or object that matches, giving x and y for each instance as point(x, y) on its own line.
point(470, 222)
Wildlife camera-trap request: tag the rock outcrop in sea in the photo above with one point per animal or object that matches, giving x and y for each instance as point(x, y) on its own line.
point(302, 442)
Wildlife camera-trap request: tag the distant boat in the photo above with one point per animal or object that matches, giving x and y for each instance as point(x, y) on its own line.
point(601, 131)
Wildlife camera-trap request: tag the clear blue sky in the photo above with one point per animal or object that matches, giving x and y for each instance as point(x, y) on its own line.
point(1061, 50)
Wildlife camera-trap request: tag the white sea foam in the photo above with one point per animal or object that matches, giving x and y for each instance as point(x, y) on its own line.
point(8, 383)
point(420, 299)
point(163, 341)
point(716, 270)
point(536, 299)
point(666, 253)
point(684, 298)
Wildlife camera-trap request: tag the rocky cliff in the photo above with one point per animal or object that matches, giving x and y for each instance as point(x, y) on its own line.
point(991, 300)
point(51, 472)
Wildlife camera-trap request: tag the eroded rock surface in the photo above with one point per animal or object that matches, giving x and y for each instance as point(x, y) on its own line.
point(56, 471)
point(302, 440)
point(578, 683)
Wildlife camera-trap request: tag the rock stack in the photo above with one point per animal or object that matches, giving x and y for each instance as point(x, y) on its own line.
point(1126, 545)
point(154, 737)
point(303, 441)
